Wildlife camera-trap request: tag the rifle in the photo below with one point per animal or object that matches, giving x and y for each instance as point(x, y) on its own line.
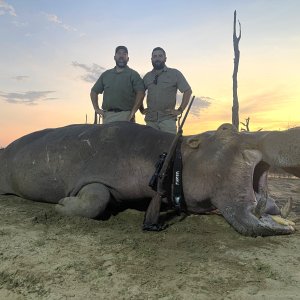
point(158, 178)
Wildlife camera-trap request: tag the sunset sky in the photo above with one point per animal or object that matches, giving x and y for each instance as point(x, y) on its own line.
point(52, 52)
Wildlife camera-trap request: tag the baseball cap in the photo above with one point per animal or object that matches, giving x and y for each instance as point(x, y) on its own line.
point(121, 48)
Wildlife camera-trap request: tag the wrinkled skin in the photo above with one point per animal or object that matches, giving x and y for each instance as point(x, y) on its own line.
point(84, 168)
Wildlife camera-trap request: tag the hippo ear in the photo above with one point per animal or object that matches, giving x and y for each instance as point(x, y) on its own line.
point(194, 142)
point(252, 156)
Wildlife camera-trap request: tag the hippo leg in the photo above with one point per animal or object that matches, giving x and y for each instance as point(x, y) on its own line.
point(90, 202)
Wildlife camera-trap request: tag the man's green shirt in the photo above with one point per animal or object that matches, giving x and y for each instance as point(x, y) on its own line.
point(162, 89)
point(118, 88)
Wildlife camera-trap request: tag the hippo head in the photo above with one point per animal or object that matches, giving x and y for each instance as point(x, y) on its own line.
point(223, 172)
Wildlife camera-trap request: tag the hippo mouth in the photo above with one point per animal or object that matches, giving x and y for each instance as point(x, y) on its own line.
point(269, 215)
point(252, 211)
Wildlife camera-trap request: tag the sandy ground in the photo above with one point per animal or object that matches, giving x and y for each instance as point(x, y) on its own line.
point(47, 256)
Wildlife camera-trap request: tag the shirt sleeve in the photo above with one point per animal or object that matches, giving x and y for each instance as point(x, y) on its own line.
point(182, 83)
point(146, 81)
point(137, 82)
point(98, 86)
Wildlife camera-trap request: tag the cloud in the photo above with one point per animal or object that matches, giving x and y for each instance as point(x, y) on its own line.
point(199, 104)
point(28, 98)
point(265, 101)
point(19, 24)
point(54, 19)
point(5, 8)
point(20, 77)
point(93, 72)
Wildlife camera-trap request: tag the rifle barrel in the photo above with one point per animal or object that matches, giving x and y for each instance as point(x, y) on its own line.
point(187, 112)
point(172, 148)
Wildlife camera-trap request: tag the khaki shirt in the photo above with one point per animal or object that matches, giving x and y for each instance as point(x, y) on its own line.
point(119, 88)
point(162, 96)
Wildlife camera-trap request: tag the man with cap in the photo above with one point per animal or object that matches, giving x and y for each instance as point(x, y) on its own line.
point(162, 84)
point(122, 88)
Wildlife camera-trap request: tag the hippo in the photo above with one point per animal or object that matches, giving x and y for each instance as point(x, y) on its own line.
point(84, 168)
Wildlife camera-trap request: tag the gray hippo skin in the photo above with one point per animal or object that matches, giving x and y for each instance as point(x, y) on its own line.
point(82, 168)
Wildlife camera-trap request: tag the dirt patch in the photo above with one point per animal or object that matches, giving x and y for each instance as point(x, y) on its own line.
point(46, 256)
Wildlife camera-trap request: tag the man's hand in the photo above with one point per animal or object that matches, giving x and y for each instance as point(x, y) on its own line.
point(174, 112)
point(143, 110)
point(100, 112)
point(131, 117)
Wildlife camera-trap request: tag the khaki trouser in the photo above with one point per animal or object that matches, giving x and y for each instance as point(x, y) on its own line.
point(168, 125)
point(111, 116)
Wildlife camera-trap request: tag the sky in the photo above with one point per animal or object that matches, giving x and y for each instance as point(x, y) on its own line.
point(52, 52)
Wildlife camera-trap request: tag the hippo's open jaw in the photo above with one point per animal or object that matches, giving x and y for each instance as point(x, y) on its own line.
point(253, 212)
point(266, 211)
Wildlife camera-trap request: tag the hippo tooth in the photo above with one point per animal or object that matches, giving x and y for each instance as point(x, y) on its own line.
point(282, 221)
point(286, 209)
point(261, 203)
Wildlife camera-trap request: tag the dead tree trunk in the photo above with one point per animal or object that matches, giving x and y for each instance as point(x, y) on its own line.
point(235, 106)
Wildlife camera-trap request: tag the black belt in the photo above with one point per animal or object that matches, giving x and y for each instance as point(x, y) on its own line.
point(115, 110)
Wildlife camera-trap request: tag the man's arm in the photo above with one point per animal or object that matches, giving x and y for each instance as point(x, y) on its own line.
point(138, 102)
point(142, 109)
point(185, 101)
point(94, 98)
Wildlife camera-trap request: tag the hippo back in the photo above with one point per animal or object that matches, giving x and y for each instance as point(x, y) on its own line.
point(54, 163)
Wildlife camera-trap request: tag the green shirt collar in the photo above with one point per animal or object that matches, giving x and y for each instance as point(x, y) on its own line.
point(125, 69)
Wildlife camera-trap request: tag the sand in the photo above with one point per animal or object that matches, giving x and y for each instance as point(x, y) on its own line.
point(47, 256)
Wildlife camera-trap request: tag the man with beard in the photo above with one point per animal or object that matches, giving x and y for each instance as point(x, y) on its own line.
point(123, 90)
point(162, 84)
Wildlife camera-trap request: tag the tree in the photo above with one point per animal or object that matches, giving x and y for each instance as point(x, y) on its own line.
point(247, 128)
point(235, 106)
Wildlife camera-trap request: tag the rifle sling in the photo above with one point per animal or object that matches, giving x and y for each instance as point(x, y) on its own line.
point(177, 190)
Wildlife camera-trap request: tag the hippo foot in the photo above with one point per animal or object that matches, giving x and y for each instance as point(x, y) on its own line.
point(154, 227)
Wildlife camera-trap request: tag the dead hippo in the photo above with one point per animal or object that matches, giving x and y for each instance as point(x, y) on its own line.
point(82, 168)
